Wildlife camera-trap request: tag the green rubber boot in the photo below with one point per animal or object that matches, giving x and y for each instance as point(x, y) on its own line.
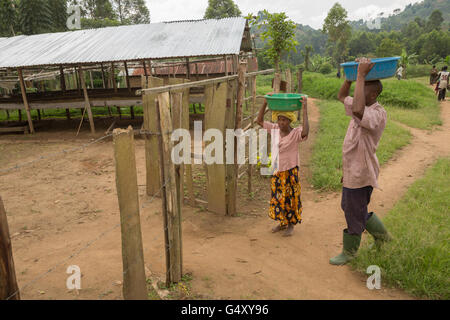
point(351, 246)
point(377, 229)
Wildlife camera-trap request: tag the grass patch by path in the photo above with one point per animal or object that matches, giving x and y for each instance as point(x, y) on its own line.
point(418, 259)
point(326, 161)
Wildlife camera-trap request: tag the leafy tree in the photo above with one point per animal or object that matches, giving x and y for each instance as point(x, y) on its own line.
point(338, 29)
point(218, 9)
point(58, 9)
point(34, 17)
point(132, 11)
point(406, 60)
point(279, 35)
point(306, 54)
point(434, 21)
point(8, 18)
point(389, 48)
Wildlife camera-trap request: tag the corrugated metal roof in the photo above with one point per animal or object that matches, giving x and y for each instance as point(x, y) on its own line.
point(123, 43)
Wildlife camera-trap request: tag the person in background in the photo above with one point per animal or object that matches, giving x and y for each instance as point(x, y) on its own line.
point(399, 72)
point(433, 75)
point(443, 83)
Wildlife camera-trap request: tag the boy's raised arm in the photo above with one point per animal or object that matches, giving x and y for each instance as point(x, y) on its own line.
point(359, 99)
point(344, 91)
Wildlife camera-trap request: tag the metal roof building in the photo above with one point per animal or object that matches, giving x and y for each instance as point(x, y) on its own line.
point(164, 40)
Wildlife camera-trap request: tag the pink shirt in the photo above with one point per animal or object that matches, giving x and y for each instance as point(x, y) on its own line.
point(288, 157)
point(359, 161)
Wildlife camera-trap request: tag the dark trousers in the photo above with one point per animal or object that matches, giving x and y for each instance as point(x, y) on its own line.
point(354, 203)
point(441, 95)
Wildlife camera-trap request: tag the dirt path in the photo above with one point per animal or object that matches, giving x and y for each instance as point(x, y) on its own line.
point(57, 208)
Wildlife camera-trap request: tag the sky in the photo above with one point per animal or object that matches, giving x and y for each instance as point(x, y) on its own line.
point(307, 12)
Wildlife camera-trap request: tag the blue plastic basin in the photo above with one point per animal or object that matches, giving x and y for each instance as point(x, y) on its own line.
point(383, 68)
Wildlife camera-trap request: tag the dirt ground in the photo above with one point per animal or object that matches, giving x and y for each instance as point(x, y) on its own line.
point(64, 212)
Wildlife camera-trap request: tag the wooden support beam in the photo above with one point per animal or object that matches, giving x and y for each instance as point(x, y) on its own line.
point(252, 122)
point(145, 74)
point(171, 196)
point(8, 283)
point(150, 68)
point(188, 69)
point(225, 58)
point(197, 76)
point(86, 100)
point(62, 79)
point(113, 78)
point(127, 76)
point(151, 142)
point(92, 79)
point(25, 101)
point(105, 83)
point(230, 119)
point(134, 281)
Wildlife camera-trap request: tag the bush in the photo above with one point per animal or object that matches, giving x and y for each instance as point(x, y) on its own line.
point(326, 68)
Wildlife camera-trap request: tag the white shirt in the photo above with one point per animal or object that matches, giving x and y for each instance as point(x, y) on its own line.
point(443, 79)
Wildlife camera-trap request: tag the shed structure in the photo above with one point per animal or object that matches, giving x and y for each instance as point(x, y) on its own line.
point(72, 56)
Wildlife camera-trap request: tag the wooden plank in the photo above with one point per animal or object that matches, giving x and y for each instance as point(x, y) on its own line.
point(187, 167)
point(25, 101)
point(8, 283)
point(215, 112)
point(201, 83)
point(86, 100)
point(151, 142)
point(252, 122)
point(134, 281)
point(113, 77)
point(127, 76)
point(62, 79)
point(230, 119)
point(171, 191)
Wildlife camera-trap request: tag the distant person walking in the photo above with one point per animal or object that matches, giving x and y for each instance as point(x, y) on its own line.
point(443, 83)
point(434, 75)
point(399, 72)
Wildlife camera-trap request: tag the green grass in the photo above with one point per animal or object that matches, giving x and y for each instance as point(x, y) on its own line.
point(410, 102)
point(326, 160)
point(418, 259)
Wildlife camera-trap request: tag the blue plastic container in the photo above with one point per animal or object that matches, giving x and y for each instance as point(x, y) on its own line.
point(383, 68)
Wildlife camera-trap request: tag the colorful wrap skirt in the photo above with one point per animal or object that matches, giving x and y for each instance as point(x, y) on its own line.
point(285, 205)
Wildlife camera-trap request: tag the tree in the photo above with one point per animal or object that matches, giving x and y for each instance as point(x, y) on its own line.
point(434, 21)
point(338, 29)
point(58, 9)
point(8, 18)
point(34, 17)
point(406, 59)
point(132, 11)
point(389, 48)
point(218, 9)
point(279, 34)
point(306, 54)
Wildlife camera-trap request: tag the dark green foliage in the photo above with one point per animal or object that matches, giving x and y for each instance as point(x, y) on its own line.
point(35, 17)
point(218, 9)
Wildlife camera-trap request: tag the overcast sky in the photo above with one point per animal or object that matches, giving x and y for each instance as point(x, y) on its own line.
point(308, 12)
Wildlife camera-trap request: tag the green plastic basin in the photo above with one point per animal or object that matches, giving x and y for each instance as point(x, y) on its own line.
point(284, 101)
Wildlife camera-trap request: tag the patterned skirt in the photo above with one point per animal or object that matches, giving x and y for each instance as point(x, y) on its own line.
point(285, 205)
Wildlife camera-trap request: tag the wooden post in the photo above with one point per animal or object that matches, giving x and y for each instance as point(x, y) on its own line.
point(277, 82)
point(144, 85)
point(226, 65)
point(20, 115)
point(127, 76)
point(68, 114)
point(92, 79)
point(300, 80)
point(288, 80)
point(113, 78)
point(188, 69)
point(62, 79)
point(252, 116)
point(196, 72)
point(134, 282)
point(86, 100)
point(78, 79)
point(151, 141)
point(231, 175)
point(8, 283)
point(105, 83)
point(171, 204)
point(25, 101)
